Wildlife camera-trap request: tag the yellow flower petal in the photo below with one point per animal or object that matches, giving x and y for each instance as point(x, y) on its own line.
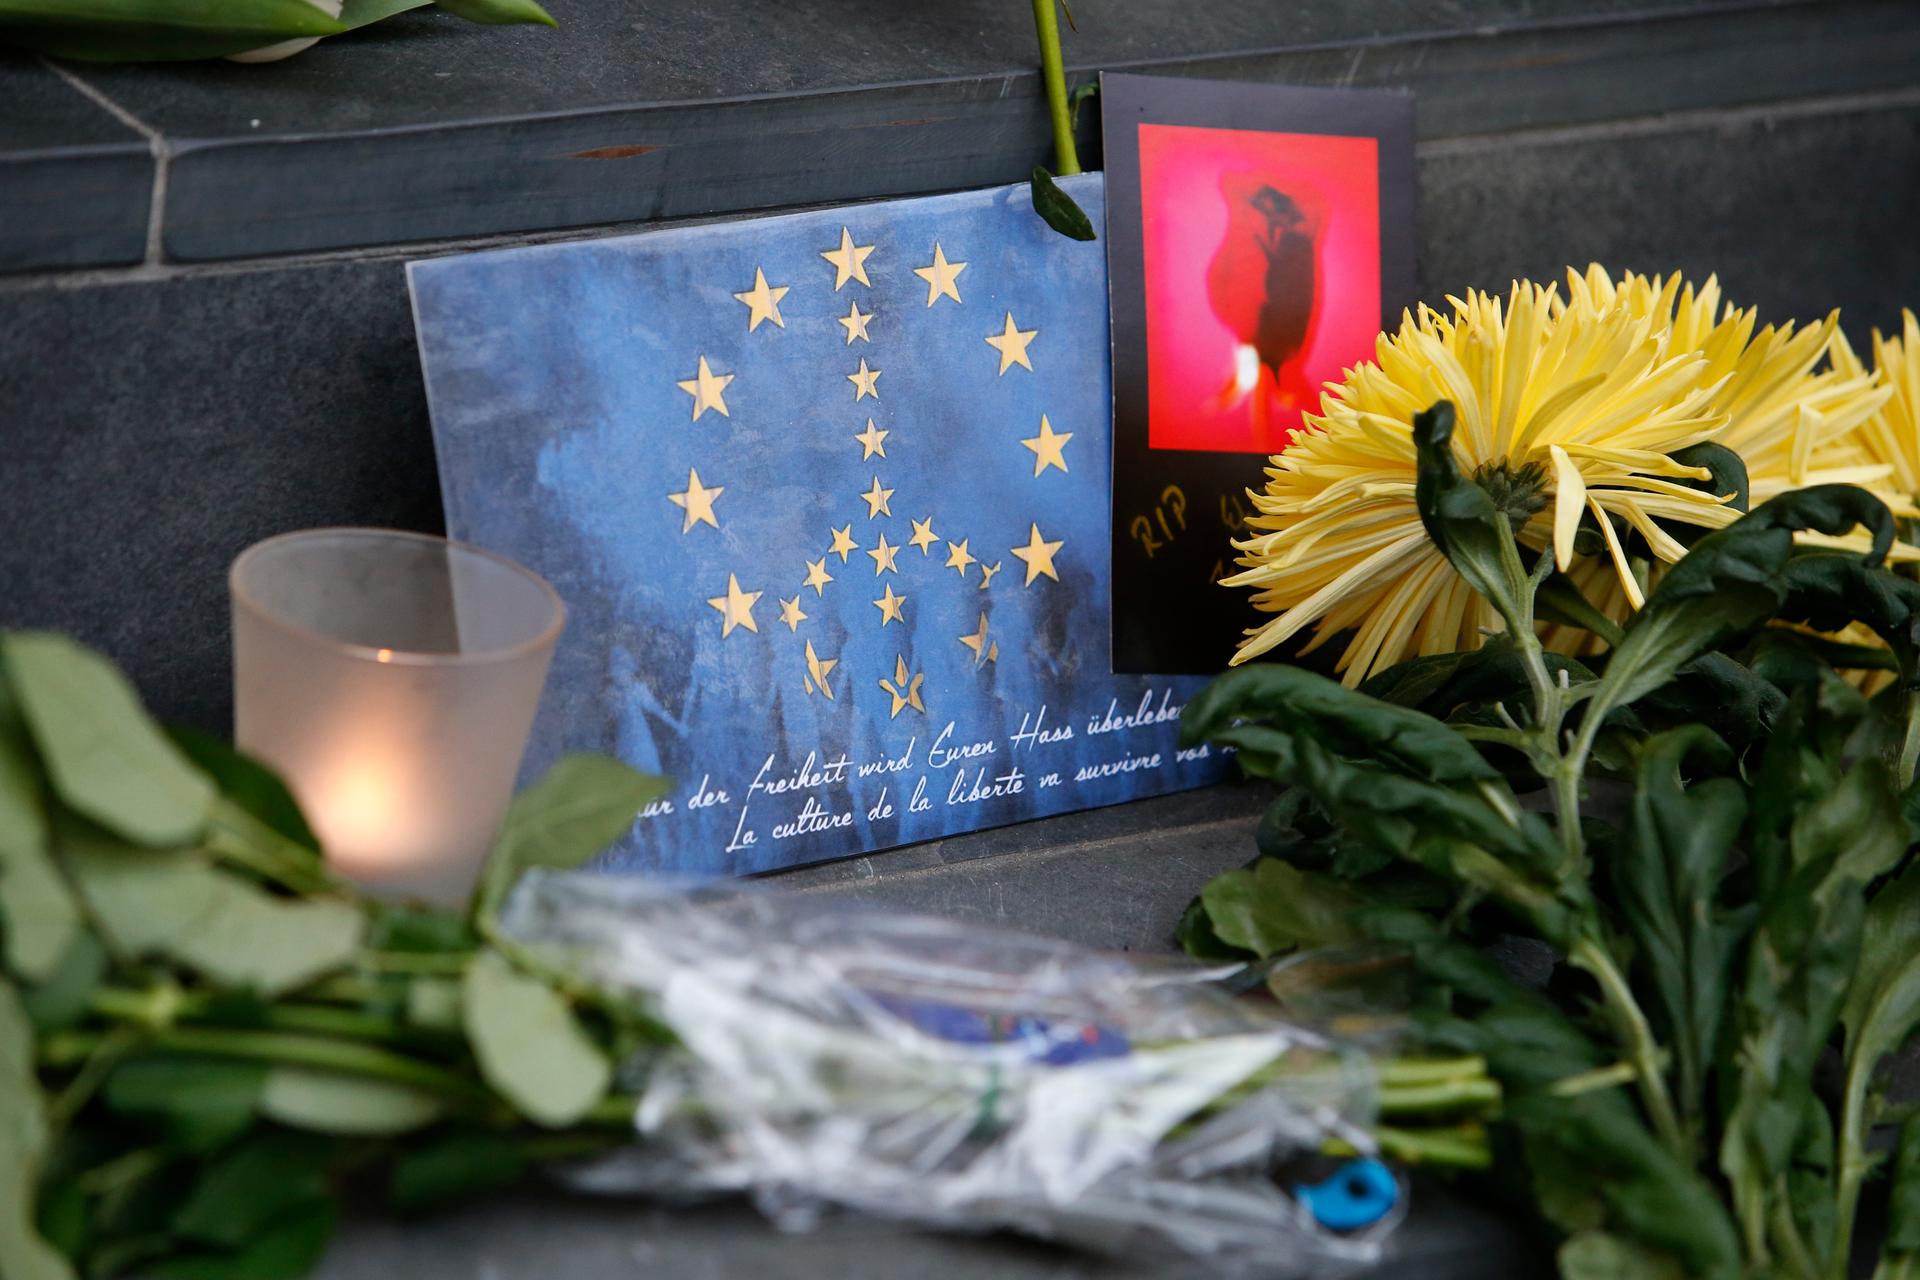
point(1567, 505)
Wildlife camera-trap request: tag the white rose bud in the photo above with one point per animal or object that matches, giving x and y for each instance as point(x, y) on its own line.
point(287, 48)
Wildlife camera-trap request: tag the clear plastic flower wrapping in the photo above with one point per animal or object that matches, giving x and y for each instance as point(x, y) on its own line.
point(961, 1077)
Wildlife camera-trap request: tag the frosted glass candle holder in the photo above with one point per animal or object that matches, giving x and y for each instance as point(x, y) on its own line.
point(391, 678)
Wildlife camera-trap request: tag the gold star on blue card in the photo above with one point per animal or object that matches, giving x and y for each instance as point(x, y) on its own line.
point(593, 402)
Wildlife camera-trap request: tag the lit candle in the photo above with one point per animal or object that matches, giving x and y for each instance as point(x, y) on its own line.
point(391, 679)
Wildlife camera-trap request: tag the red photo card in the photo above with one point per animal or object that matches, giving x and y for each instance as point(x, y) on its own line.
point(1258, 237)
point(1262, 263)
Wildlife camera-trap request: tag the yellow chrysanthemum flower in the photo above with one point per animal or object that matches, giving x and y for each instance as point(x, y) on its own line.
point(1891, 437)
point(1793, 423)
point(1561, 409)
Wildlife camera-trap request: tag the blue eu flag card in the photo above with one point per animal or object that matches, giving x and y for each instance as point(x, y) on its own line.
point(827, 496)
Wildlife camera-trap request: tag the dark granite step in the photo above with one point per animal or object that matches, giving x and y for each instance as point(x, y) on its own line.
point(426, 128)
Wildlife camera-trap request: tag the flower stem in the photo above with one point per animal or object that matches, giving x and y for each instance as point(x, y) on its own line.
point(244, 840)
point(1850, 1161)
point(1066, 160)
point(166, 1006)
point(1599, 1078)
point(1910, 744)
point(1786, 1236)
point(1636, 1037)
point(282, 1048)
point(1438, 1097)
point(1460, 1147)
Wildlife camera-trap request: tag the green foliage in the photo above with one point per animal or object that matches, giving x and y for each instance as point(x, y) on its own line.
point(181, 30)
point(23, 1144)
point(181, 907)
point(1275, 908)
point(247, 784)
point(190, 1102)
point(1340, 718)
point(1726, 885)
point(104, 758)
point(201, 1032)
point(455, 1166)
point(1058, 209)
point(583, 805)
point(498, 11)
point(529, 1045)
point(346, 1105)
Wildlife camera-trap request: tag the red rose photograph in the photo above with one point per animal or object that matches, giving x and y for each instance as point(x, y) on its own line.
point(1262, 265)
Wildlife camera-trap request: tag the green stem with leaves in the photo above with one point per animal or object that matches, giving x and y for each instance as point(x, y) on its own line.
point(1850, 1158)
point(1636, 1037)
point(1562, 760)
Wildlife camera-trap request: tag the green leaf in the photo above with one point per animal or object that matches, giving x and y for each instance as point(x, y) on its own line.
point(1560, 600)
point(196, 1103)
point(1195, 936)
point(1442, 684)
point(23, 814)
point(63, 1216)
point(61, 1000)
point(104, 757)
point(1887, 950)
point(1826, 590)
point(359, 13)
point(1461, 518)
point(1903, 1193)
point(1478, 838)
point(455, 1166)
point(38, 916)
point(155, 30)
point(1666, 877)
point(1651, 1196)
point(1343, 719)
point(1727, 475)
point(1880, 1014)
point(1732, 580)
point(288, 1250)
point(242, 1193)
point(246, 782)
point(1274, 908)
point(1802, 762)
point(434, 1003)
point(182, 907)
point(418, 930)
point(1057, 209)
point(1595, 1255)
point(529, 1045)
point(1858, 824)
point(582, 805)
point(1080, 94)
point(1796, 972)
point(345, 1105)
point(499, 11)
point(1422, 682)
point(23, 1138)
point(1722, 695)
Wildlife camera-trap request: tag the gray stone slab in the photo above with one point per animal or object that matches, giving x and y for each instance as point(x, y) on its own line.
point(427, 130)
point(1797, 215)
point(540, 1235)
point(1116, 879)
point(428, 68)
point(154, 430)
point(75, 183)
